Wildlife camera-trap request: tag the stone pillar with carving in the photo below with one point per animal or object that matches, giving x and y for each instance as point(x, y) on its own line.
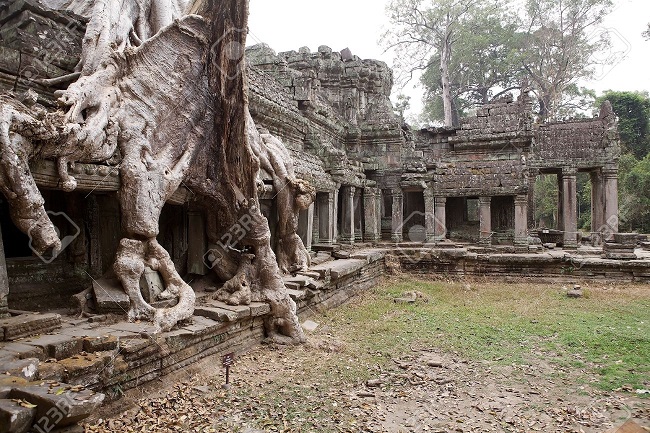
point(358, 215)
point(371, 226)
point(597, 201)
point(521, 223)
point(347, 220)
point(4, 281)
point(305, 226)
point(335, 212)
point(569, 207)
point(325, 211)
point(440, 231)
point(610, 186)
point(398, 215)
point(532, 178)
point(429, 213)
point(485, 220)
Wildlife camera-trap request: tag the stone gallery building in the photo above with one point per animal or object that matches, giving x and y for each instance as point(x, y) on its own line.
point(376, 179)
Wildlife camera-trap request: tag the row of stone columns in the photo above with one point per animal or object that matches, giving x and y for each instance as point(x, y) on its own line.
point(604, 203)
point(436, 216)
point(360, 215)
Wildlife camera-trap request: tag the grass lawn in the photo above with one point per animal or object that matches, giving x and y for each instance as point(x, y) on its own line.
point(606, 333)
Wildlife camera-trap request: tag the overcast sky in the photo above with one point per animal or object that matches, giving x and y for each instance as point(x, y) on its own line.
point(358, 24)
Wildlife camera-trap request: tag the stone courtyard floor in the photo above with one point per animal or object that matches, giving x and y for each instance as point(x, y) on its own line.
point(380, 366)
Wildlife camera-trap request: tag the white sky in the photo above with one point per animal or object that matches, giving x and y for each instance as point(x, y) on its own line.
point(358, 24)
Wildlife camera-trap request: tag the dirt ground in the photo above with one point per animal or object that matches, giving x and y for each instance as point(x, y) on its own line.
point(309, 389)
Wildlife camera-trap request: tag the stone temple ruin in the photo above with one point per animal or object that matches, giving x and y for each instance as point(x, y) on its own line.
point(192, 200)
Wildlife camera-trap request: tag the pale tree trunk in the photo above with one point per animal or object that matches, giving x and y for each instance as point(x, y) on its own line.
point(445, 58)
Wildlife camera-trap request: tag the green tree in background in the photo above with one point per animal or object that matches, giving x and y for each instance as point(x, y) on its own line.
point(633, 111)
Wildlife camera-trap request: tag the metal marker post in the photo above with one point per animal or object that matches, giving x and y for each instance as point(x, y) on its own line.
point(228, 360)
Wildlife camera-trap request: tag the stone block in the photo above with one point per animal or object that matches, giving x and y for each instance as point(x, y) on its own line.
point(51, 371)
point(370, 256)
point(26, 325)
point(242, 311)
point(14, 417)
point(57, 346)
point(25, 368)
point(215, 313)
point(626, 238)
point(292, 285)
point(58, 405)
point(100, 343)
point(22, 351)
point(341, 268)
point(297, 295)
point(142, 328)
point(259, 308)
point(77, 367)
point(110, 296)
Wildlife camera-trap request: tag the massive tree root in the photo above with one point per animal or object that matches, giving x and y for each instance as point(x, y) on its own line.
point(132, 257)
point(292, 194)
point(176, 107)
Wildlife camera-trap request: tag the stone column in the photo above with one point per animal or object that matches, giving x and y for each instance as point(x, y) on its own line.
point(560, 203)
point(4, 281)
point(325, 212)
point(358, 215)
point(347, 221)
point(610, 187)
point(305, 226)
point(485, 219)
point(370, 215)
point(398, 215)
point(429, 213)
point(521, 223)
point(532, 178)
point(597, 201)
point(335, 212)
point(569, 208)
point(440, 230)
point(378, 203)
point(197, 243)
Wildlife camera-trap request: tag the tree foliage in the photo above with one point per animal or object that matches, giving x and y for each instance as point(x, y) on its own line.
point(473, 51)
point(558, 47)
point(633, 111)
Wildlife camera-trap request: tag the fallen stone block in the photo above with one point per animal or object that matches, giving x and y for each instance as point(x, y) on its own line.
point(23, 351)
point(341, 254)
point(16, 417)
point(110, 296)
point(310, 325)
point(58, 405)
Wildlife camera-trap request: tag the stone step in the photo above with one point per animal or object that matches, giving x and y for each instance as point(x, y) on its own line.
point(326, 247)
point(27, 325)
point(57, 346)
point(14, 417)
point(297, 295)
point(51, 397)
